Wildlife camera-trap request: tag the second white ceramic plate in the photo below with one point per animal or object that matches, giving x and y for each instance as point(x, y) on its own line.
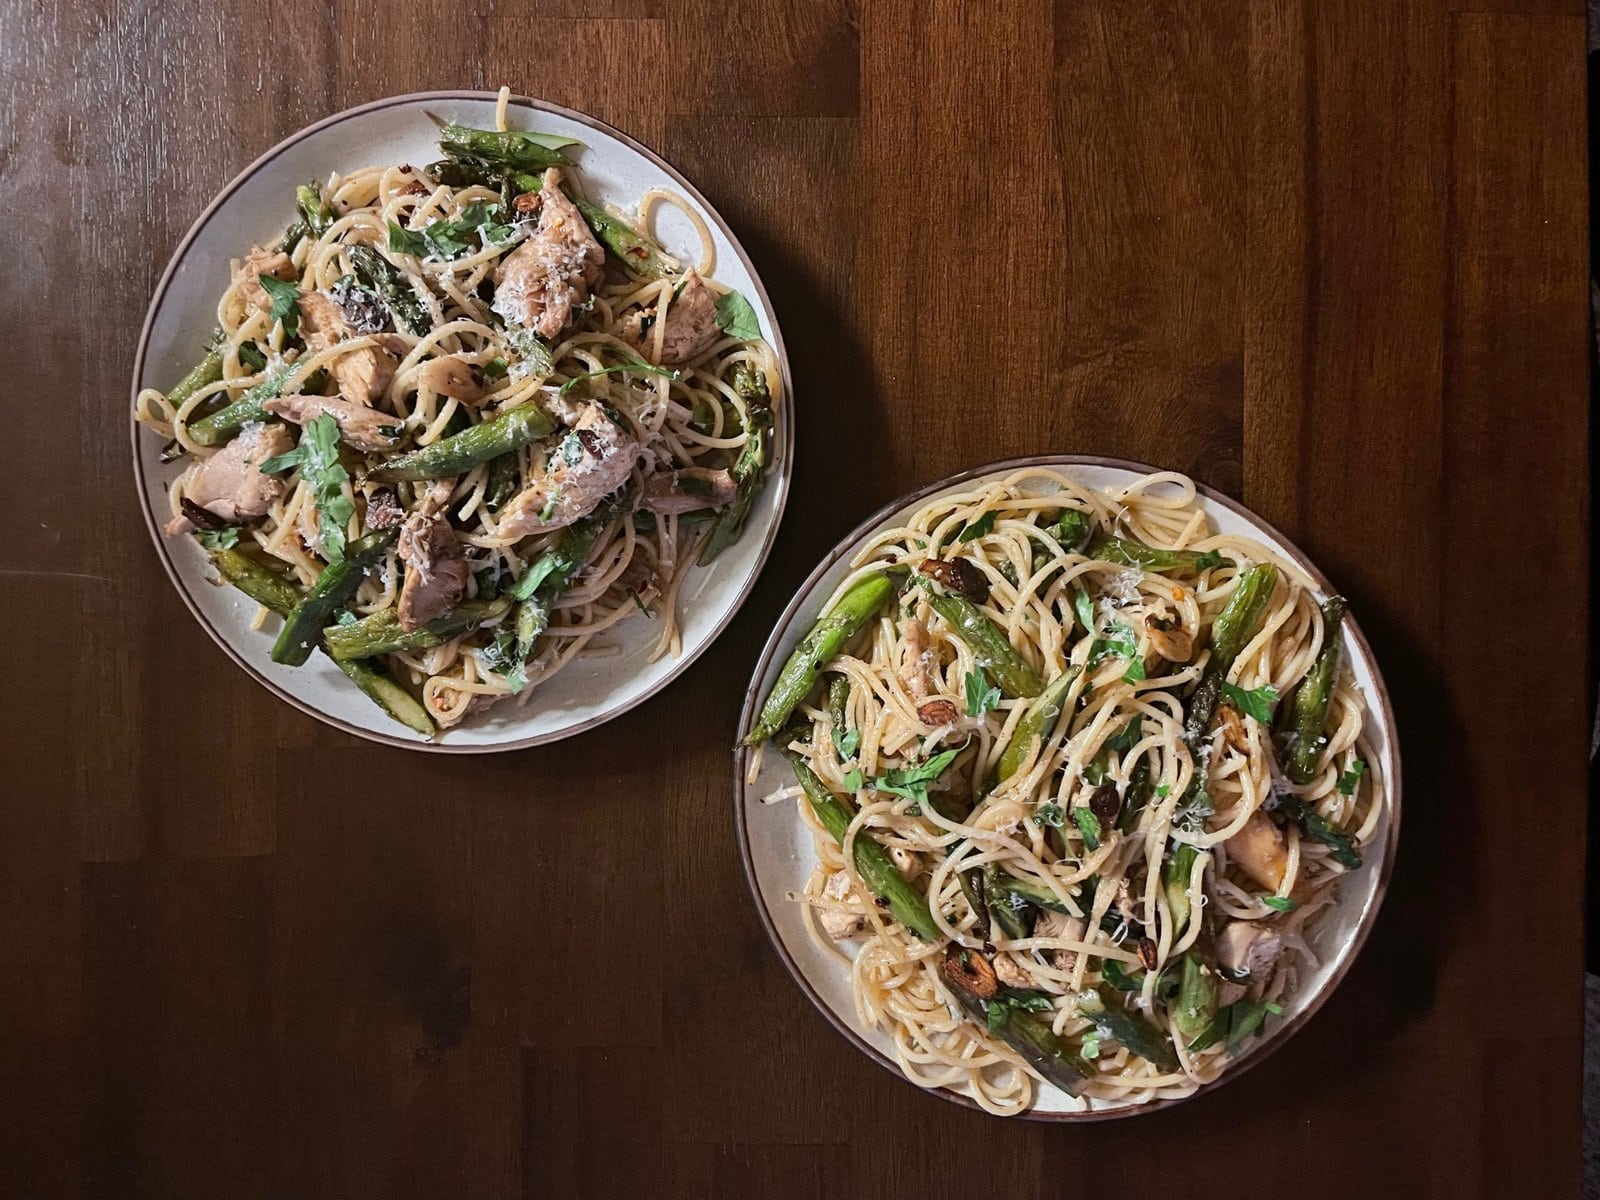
point(254, 208)
point(779, 854)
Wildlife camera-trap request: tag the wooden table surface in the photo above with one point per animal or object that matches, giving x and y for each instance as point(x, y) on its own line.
point(1329, 257)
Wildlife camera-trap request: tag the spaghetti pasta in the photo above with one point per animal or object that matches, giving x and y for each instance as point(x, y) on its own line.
point(403, 316)
point(1124, 863)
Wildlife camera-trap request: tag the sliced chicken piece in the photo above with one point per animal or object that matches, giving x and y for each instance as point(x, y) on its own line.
point(1246, 948)
point(917, 663)
point(363, 374)
point(542, 281)
point(362, 428)
point(836, 923)
point(688, 331)
point(1008, 972)
point(436, 568)
point(323, 321)
point(229, 485)
point(261, 262)
point(1259, 850)
point(451, 376)
point(1052, 924)
point(586, 466)
point(688, 490)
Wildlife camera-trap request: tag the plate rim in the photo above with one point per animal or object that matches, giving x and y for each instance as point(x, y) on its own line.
point(1383, 707)
point(785, 467)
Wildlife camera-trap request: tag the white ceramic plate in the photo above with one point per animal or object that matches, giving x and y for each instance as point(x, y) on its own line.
point(254, 208)
point(778, 852)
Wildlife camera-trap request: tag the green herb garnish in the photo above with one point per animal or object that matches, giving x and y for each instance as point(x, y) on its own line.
point(737, 318)
point(219, 539)
point(1088, 825)
point(285, 295)
point(317, 457)
point(1351, 778)
point(1257, 703)
point(977, 529)
point(981, 698)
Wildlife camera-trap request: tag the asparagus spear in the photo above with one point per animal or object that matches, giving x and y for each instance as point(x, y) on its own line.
point(261, 585)
point(1007, 669)
point(637, 252)
point(378, 274)
point(507, 150)
point(1309, 706)
point(749, 469)
point(1236, 1022)
point(1318, 829)
point(551, 574)
point(1175, 876)
point(206, 372)
point(1115, 1023)
point(1235, 625)
point(337, 583)
point(838, 700)
point(827, 637)
point(972, 979)
point(1130, 553)
point(380, 633)
point(267, 589)
point(1197, 997)
point(221, 425)
point(314, 209)
point(461, 452)
point(505, 477)
point(872, 861)
point(1037, 722)
point(1025, 890)
point(1007, 908)
point(972, 887)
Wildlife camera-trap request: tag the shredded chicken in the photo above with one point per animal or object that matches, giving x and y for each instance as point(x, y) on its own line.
point(230, 485)
point(261, 262)
point(586, 466)
point(1052, 924)
point(917, 665)
point(436, 568)
point(1009, 973)
point(451, 376)
point(542, 281)
point(362, 374)
point(1259, 850)
point(689, 329)
point(837, 923)
point(689, 490)
point(1246, 948)
point(362, 428)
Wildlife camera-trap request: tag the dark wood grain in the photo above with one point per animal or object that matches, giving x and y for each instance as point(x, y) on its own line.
point(1329, 257)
